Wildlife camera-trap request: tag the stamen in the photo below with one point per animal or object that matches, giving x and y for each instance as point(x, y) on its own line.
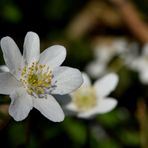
point(85, 98)
point(36, 78)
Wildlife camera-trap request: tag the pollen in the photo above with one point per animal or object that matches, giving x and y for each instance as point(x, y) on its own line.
point(85, 98)
point(36, 78)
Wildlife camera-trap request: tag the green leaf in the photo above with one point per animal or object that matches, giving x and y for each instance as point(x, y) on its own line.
point(130, 138)
point(17, 134)
point(76, 130)
point(11, 13)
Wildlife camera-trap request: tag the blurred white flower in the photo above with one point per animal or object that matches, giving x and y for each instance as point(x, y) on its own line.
point(140, 64)
point(96, 68)
point(130, 54)
point(89, 100)
point(33, 78)
point(104, 53)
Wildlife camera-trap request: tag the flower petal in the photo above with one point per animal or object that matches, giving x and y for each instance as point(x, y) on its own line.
point(4, 68)
point(31, 48)
point(21, 104)
point(50, 108)
point(53, 56)
point(70, 109)
point(12, 55)
point(65, 80)
point(106, 105)
point(86, 80)
point(144, 76)
point(145, 50)
point(71, 106)
point(8, 83)
point(96, 68)
point(88, 114)
point(106, 85)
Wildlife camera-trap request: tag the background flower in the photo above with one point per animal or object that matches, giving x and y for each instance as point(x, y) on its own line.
point(90, 100)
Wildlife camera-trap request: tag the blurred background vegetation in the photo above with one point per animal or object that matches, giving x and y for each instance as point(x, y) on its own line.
point(79, 25)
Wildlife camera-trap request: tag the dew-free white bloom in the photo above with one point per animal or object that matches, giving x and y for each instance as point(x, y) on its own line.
point(89, 99)
point(33, 78)
point(131, 54)
point(104, 53)
point(140, 64)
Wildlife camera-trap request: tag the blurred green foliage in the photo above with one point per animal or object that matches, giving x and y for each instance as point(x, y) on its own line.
point(11, 13)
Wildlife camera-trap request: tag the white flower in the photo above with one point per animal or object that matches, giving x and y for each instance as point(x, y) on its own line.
point(130, 54)
point(96, 68)
point(35, 77)
point(104, 53)
point(140, 64)
point(89, 100)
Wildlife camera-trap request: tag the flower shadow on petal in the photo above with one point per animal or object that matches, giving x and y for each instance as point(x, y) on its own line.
point(63, 101)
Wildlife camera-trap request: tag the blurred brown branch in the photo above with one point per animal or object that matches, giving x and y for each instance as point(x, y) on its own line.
point(100, 14)
point(4, 116)
point(132, 19)
point(95, 12)
point(142, 115)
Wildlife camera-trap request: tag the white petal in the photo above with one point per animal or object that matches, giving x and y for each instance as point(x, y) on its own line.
point(53, 56)
point(8, 83)
point(88, 114)
point(144, 76)
point(106, 105)
point(106, 85)
point(70, 109)
point(66, 80)
point(12, 55)
point(31, 48)
point(145, 50)
point(50, 108)
point(104, 53)
point(71, 106)
point(4, 68)
point(140, 64)
point(96, 68)
point(21, 104)
point(86, 80)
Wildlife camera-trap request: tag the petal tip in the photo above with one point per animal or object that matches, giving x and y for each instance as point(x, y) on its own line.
point(5, 39)
point(31, 35)
point(15, 116)
point(114, 77)
point(107, 105)
point(60, 47)
point(59, 119)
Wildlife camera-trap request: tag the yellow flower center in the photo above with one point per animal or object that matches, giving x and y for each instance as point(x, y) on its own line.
point(85, 98)
point(36, 78)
